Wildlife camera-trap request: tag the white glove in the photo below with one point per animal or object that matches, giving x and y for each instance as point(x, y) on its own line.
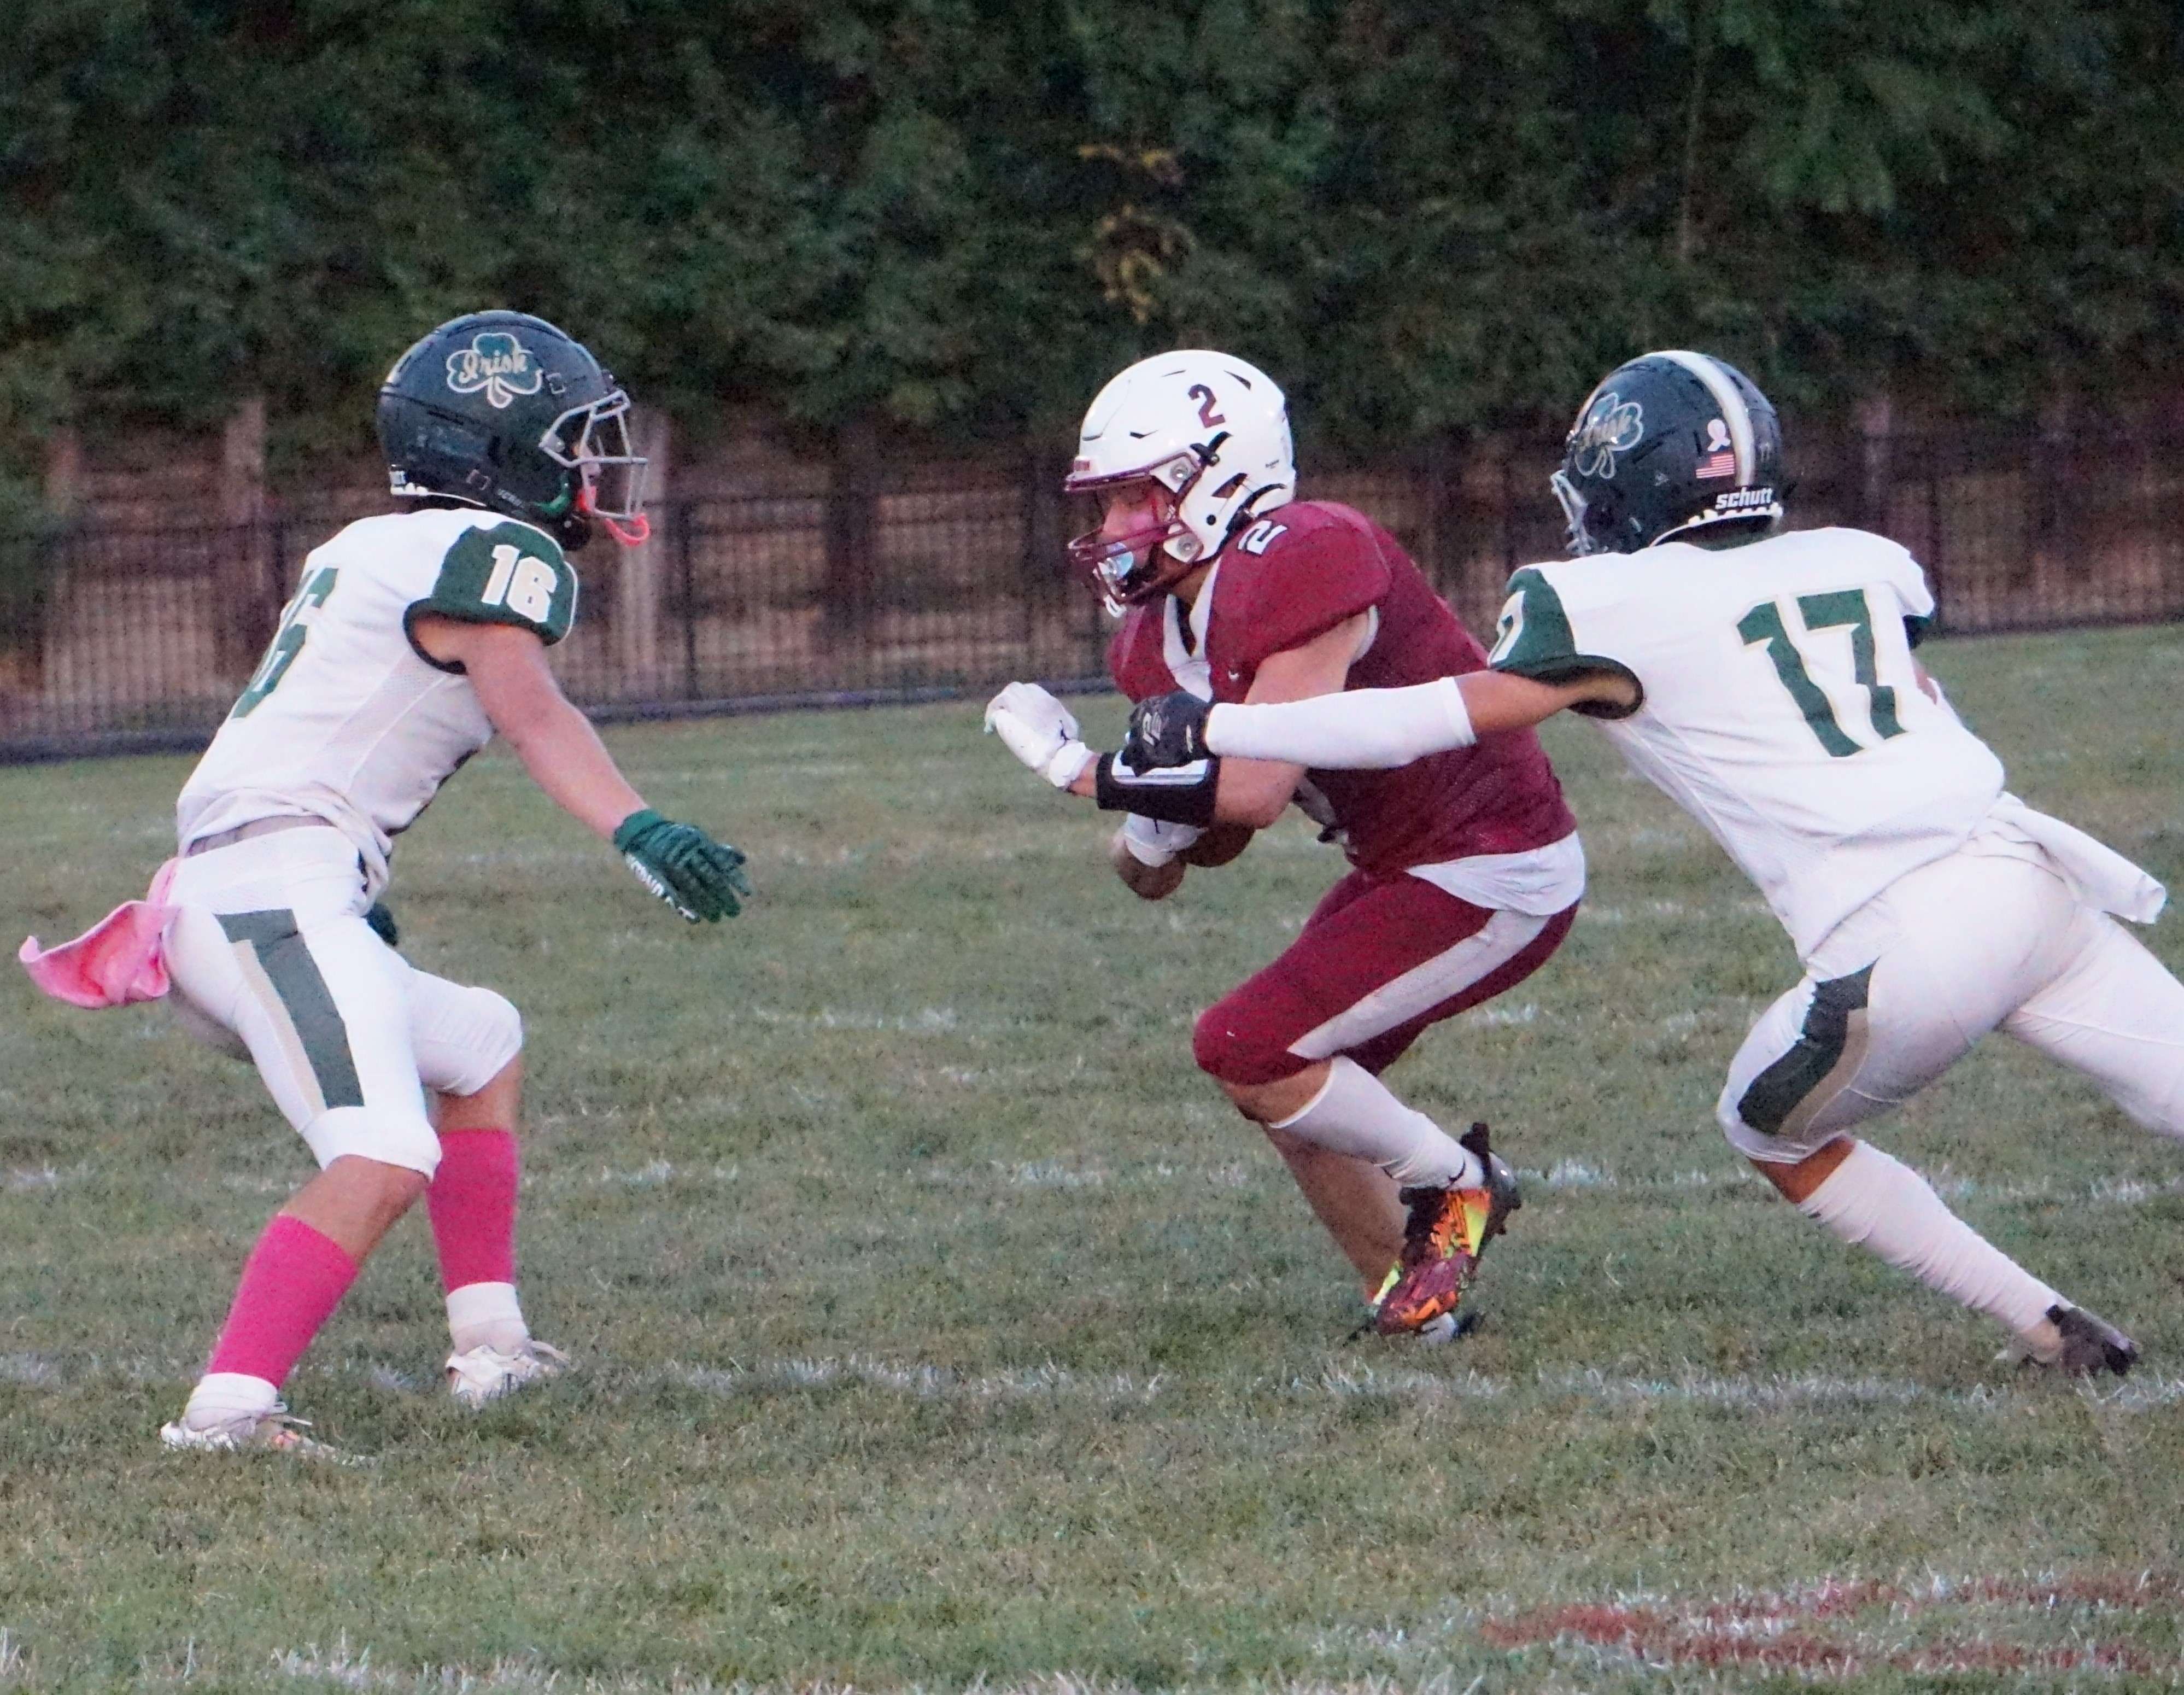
point(1154, 841)
point(1039, 730)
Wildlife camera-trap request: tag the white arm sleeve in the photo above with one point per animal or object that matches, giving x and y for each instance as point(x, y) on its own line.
point(1365, 729)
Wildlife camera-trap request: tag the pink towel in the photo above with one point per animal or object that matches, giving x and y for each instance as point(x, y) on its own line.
point(120, 959)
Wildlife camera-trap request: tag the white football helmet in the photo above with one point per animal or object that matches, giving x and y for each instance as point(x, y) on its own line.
point(1213, 431)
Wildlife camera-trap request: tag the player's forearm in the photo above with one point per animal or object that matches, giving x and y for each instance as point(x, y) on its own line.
point(1365, 729)
point(566, 758)
point(1255, 792)
point(1378, 729)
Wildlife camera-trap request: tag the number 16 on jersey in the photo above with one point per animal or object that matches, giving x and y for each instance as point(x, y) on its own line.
point(522, 583)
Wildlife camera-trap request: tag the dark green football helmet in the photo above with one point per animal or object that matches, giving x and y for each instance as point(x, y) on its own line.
point(1672, 446)
point(502, 411)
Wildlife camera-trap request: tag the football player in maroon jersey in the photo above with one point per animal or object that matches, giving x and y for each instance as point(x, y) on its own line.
point(1465, 867)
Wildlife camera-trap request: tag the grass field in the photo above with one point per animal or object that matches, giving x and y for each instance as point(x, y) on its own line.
point(938, 1325)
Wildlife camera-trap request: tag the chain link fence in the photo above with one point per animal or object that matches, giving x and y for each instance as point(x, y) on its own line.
point(922, 586)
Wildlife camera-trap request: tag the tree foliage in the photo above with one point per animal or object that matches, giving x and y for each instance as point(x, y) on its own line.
point(960, 215)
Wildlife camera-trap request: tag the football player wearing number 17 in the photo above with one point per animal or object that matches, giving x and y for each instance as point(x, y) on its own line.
point(416, 636)
point(1767, 685)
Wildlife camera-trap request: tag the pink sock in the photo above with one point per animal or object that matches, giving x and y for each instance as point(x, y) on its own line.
point(472, 1204)
point(293, 1281)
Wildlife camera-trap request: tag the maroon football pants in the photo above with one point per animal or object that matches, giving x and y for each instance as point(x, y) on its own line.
point(1379, 960)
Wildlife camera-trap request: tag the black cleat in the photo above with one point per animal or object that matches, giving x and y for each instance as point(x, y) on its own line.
point(2091, 1345)
point(1501, 1185)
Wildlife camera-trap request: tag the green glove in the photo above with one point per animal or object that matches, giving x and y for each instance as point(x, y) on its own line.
point(382, 923)
point(700, 877)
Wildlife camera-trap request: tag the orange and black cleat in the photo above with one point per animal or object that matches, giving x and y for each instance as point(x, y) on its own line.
point(1447, 1230)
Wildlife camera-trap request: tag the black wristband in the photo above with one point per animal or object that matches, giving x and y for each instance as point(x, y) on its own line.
point(1181, 794)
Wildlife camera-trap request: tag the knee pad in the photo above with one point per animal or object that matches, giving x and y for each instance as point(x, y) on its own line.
point(500, 1036)
point(475, 1034)
point(390, 1138)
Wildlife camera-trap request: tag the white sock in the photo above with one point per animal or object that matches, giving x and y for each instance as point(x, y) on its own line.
point(1876, 1202)
point(1354, 1114)
point(486, 1315)
point(222, 1397)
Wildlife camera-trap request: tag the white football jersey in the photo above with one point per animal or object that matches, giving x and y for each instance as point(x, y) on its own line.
point(345, 718)
point(1779, 707)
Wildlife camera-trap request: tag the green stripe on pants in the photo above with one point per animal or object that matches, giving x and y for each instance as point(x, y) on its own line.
point(294, 974)
point(1778, 1091)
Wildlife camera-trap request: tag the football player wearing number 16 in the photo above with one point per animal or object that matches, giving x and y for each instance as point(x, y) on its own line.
point(1767, 685)
point(416, 636)
point(1465, 869)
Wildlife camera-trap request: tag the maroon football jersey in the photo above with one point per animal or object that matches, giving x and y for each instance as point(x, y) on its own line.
point(1297, 573)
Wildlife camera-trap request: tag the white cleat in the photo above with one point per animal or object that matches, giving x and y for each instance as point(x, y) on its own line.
point(483, 1375)
point(273, 1432)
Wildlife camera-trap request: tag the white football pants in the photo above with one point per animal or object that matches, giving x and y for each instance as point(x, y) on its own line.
point(270, 951)
point(1904, 986)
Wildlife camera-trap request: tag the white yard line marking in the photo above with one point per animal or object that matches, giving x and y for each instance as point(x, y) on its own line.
point(927, 1022)
point(2142, 1392)
point(354, 1668)
point(925, 1382)
point(2123, 1192)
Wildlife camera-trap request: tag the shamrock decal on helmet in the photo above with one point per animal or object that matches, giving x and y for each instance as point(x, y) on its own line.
point(495, 362)
point(1611, 426)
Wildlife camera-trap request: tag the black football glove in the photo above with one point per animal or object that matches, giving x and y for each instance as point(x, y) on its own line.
point(1166, 730)
point(700, 877)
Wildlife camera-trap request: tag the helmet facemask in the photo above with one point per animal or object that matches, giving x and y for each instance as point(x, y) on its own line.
point(594, 441)
point(1130, 569)
point(1578, 541)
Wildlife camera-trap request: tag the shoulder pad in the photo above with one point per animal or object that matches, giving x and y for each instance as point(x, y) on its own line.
point(498, 570)
point(1293, 574)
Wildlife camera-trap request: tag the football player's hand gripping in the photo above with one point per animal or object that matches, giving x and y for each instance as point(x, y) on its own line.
point(1039, 730)
point(1166, 730)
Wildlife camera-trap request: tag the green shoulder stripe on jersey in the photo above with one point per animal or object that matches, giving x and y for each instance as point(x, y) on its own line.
point(1533, 639)
point(506, 574)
